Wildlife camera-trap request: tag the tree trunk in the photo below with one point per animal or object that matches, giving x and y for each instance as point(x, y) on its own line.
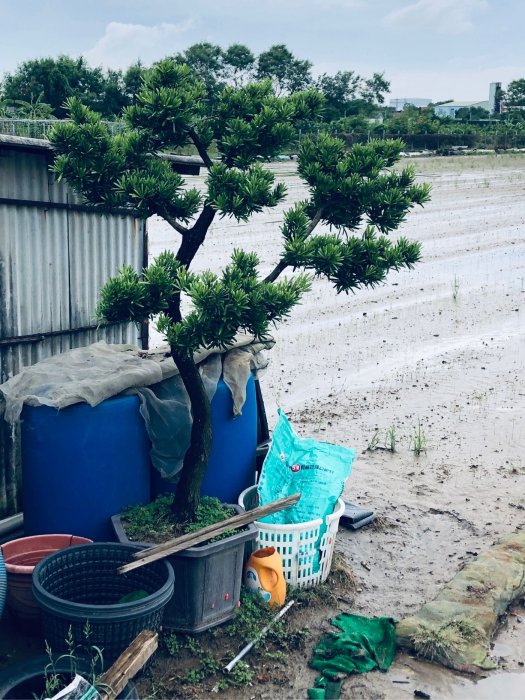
point(197, 455)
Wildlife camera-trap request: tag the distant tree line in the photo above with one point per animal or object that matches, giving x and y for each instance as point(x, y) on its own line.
point(38, 88)
point(353, 105)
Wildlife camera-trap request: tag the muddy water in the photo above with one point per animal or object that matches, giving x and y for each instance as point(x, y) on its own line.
point(439, 349)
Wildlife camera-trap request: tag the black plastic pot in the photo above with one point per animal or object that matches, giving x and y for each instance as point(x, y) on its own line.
point(81, 584)
point(26, 679)
point(207, 580)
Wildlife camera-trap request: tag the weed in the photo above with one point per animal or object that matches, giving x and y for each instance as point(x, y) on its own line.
point(419, 440)
point(208, 666)
point(466, 629)
point(437, 644)
point(391, 438)
point(240, 675)
point(441, 644)
point(455, 288)
point(341, 575)
point(194, 646)
point(479, 395)
point(86, 652)
point(275, 655)
point(374, 441)
point(253, 614)
point(173, 644)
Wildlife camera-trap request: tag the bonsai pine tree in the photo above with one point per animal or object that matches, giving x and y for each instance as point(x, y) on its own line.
point(356, 193)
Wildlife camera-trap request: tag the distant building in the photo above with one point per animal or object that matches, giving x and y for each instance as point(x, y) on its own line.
point(449, 109)
point(492, 105)
point(400, 103)
point(495, 98)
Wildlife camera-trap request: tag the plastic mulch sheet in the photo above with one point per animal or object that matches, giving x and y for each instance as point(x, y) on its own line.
point(456, 628)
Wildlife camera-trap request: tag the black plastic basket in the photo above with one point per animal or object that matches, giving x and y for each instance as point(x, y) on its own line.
point(81, 584)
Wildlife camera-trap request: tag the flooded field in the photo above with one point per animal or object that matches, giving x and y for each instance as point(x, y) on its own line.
point(438, 352)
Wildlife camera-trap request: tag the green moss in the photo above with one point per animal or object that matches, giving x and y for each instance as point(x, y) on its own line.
point(154, 522)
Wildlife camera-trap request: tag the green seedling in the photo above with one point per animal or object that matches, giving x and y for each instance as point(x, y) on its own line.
point(374, 441)
point(455, 288)
point(391, 438)
point(419, 441)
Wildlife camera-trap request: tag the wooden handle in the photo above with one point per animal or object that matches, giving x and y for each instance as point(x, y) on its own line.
point(146, 556)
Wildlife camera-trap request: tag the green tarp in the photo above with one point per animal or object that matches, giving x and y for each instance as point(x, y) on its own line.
point(362, 644)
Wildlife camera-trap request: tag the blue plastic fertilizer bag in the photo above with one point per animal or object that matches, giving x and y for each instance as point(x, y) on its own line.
point(316, 469)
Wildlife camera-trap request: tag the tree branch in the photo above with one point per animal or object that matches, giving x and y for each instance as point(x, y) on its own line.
point(282, 265)
point(175, 224)
point(195, 236)
point(317, 218)
point(200, 148)
point(274, 274)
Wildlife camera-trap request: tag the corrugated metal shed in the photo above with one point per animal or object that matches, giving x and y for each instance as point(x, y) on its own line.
point(55, 254)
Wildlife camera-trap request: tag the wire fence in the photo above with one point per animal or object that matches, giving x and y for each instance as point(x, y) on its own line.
point(440, 142)
point(444, 142)
point(40, 128)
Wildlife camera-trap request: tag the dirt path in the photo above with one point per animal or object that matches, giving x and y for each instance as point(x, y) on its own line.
point(441, 350)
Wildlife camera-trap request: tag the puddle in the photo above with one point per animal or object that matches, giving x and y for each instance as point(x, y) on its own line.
point(501, 686)
point(500, 650)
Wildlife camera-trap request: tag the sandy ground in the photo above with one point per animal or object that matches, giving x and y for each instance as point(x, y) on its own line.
point(439, 349)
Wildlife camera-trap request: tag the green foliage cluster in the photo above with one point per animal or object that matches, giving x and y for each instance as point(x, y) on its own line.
point(39, 88)
point(49, 82)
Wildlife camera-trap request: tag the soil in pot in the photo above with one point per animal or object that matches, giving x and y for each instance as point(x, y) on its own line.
point(154, 521)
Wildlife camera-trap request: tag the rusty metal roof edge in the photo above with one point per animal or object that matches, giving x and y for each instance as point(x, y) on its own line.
point(22, 143)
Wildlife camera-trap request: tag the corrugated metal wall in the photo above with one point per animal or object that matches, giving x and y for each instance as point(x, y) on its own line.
point(54, 257)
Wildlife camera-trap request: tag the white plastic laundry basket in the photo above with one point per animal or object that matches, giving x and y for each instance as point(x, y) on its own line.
point(297, 543)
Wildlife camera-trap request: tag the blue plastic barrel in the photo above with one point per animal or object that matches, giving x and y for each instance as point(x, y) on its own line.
point(231, 467)
point(81, 465)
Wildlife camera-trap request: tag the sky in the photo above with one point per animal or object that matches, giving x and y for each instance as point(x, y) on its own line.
point(436, 49)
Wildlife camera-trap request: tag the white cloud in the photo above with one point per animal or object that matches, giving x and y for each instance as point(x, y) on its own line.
point(122, 44)
point(443, 16)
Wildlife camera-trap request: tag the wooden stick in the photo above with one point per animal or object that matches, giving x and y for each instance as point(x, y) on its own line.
point(234, 522)
point(128, 664)
point(146, 556)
